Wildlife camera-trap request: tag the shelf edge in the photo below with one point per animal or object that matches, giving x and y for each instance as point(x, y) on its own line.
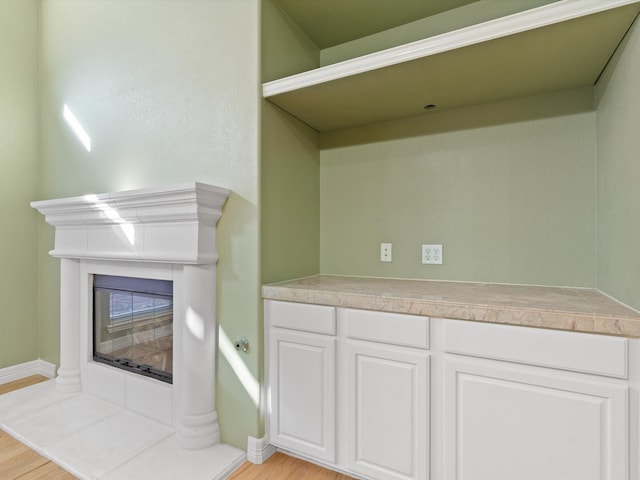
point(553, 13)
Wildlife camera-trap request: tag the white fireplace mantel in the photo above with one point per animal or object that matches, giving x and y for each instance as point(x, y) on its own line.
point(161, 232)
point(163, 224)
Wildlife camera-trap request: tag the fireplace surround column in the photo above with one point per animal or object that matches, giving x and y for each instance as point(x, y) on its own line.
point(198, 420)
point(68, 379)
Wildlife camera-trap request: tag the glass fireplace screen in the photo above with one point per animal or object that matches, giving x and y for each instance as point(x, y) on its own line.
point(133, 324)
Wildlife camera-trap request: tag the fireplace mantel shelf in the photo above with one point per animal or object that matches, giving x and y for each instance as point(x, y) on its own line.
point(173, 224)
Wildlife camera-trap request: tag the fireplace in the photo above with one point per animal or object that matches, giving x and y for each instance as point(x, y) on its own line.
point(133, 325)
point(141, 264)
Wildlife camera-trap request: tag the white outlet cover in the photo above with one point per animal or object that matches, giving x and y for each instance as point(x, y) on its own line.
point(385, 252)
point(432, 254)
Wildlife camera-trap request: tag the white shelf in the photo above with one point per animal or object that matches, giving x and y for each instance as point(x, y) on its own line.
point(562, 45)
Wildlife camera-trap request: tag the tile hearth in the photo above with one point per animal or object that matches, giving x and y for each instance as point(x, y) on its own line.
point(98, 440)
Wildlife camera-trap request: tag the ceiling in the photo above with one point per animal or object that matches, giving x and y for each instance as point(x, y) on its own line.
point(332, 22)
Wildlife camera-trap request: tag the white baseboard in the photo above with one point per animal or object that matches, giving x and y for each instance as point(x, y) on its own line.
point(34, 367)
point(259, 450)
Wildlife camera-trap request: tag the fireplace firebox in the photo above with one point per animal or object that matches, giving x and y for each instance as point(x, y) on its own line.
point(133, 325)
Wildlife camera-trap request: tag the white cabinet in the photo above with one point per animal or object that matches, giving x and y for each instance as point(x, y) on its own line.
point(503, 423)
point(303, 393)
point(350, 388)
point(387, 417)
point(505, 419)
point(385, 396)
point(301, 378)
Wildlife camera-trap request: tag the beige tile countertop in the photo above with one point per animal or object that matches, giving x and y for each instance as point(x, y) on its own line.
point(577, 309)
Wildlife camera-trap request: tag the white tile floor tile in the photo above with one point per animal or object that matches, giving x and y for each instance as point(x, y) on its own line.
point(97, 440)
point(104, 446)
point(167, 461)
point(30, 399)
point(56, 421)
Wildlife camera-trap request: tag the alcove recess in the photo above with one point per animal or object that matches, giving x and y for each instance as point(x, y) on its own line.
point(559, 46)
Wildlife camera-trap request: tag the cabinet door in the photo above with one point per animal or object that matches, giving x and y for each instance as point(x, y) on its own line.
point(504, 422)
point(388, 412)
point(302, 387)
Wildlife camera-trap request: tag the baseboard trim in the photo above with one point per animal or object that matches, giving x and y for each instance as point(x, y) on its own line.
point(259, 450)
point(22, 370)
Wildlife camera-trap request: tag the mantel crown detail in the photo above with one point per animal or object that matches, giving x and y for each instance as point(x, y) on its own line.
point(175, 224)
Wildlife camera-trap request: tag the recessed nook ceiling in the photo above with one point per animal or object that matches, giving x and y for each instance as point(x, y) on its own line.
point(332, 22)
point(553, 57)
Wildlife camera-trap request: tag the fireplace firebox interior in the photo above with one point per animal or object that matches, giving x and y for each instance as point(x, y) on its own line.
point(133, 325)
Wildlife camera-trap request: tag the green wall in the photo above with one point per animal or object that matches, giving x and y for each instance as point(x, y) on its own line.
point(618, 139)
point(286, 50)
point(290, 161)
point(508, 188)
point(290, 200)
point(527, 190)
point(460, 17)
point(168, 93)
point(18, 180)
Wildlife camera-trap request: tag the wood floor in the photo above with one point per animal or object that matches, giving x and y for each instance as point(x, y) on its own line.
point(19, 462)
point(24, 382)
point(281, 467)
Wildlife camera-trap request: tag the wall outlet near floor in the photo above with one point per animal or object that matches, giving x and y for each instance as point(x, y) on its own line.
point(385, 252)
point(432, 254)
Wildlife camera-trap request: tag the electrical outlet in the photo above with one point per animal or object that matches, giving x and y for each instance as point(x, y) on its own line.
point(432, 254)
point(385, 252)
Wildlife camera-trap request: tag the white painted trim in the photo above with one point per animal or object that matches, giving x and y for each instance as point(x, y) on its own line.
point(546, 15)
point(259, 449)
point(174, 224)
point(46, 369)
point(23, 370)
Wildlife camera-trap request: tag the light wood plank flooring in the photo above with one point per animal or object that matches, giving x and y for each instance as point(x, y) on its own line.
point(19, 462)
point(23, 382)
point(281, 466)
